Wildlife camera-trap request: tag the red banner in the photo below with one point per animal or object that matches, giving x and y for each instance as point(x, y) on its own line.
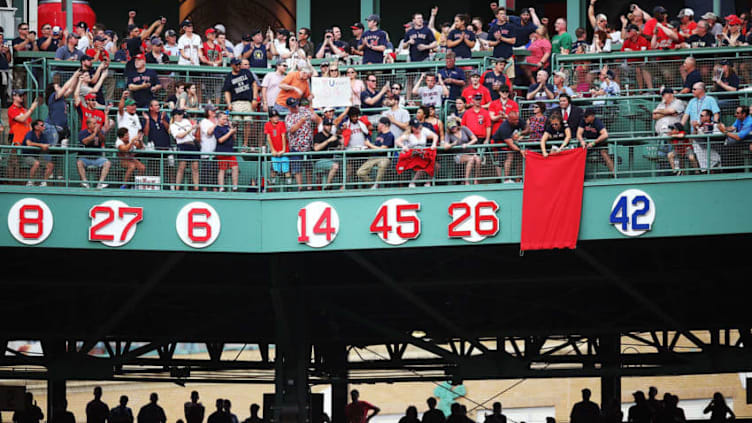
point(552, 200)
point(417, 159)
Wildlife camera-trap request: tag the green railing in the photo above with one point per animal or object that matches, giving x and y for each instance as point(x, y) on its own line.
point(355, 169)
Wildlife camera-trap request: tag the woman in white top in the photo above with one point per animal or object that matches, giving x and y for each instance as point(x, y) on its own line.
point(183, 130)
point(189, 45)
point(417, 137)
point(356, 85)
point(297, 54)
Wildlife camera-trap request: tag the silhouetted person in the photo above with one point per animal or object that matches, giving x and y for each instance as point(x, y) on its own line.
point(31, 413)
point(219, 416)
point(463, 411)
point(411, 415)
point(718, 409)
point(653, 402)
point(61, 413)
point(228, 410)
point(96, 410)
point(254, 418)
point(585, 411)
point(122, 413)
point(640, 412)
point(357, 410)
point(433, 415)
point(496, 416)
point(194, 410)
point(611, 412)
point(550, 420)
point(151, 412)
point(456, 414)
point(669, 412)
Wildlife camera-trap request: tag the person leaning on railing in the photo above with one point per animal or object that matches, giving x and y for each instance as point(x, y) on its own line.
point(384, 139)
point(37, 142)
point(557, 129)
point(459, 138)
point(591, 132)
point(510, 132)
point(92, 139)
point(738, 138)
point(417, 137)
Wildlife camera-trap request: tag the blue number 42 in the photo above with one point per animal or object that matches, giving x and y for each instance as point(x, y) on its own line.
point(620, 214)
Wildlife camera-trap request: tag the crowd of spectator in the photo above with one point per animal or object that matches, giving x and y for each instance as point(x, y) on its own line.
point(648, 409)
point(481, 108)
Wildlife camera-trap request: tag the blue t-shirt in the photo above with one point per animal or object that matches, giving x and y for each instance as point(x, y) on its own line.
point(522, 31)
point(339, 43)
point(227, 146)
point(240, 86)
point(461, 50)
point(54, 44)
point(454, 73)
point(63, 53)
point(57, 114)
point(373, 38)
point(368, 94)
point(507, 31)
point(384, 140)
point(592, 130)
point(158, 133)
point(257, 58)
point(143, 96)
point(488, 80)
point(93, 145)
point(120, 56)
point(422, 36)
point(32, 136)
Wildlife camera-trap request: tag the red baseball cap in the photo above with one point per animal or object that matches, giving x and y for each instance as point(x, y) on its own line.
point(140, 57)
point(90, 96)
point(733, 20)
point(209, 31)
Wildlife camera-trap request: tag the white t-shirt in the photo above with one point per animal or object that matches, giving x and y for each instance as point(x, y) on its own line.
point(358, 134)
point(129, 121)
point(179, 127)
point(83, 43)
point(208, 142)
point(281, 48)
point(419, 141)
point(128, 155)
point(271, 83)
point(191, 46)
point(431, 96)
point(172, 50)
point(662, 124)
point(400, 115)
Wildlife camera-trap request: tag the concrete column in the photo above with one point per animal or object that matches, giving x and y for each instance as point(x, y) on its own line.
point(303, 14)
point(576, 10)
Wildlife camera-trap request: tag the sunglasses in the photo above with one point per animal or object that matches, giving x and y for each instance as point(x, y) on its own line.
point(371, 80)
point(350, 71)
point(395, 88)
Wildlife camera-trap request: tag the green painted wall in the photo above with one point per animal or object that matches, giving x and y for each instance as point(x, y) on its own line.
point(709, 205)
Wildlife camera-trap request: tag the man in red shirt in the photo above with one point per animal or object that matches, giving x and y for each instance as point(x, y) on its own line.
point(357, 411)
point(500, 108)
point(475, 88)
point(478, 120)
point(636, 42)
point(98, 52)
point(19, 123)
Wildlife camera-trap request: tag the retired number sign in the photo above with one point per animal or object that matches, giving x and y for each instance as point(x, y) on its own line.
point(30, 221)
point(113, 223)
point(633, 212)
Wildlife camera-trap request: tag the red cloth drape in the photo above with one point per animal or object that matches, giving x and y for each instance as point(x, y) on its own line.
point(417, 159)
point(552, 200)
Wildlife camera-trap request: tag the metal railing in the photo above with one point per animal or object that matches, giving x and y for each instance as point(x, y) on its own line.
point(169, 170)
point(645, 71)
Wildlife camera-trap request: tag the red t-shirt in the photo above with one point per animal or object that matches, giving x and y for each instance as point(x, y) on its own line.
point(211, 53)
point(635, 46)
point(477, 122)
point(18, 129)
point(685, 31)
point(469, 92)
point(93, 53)
point(496, 107)
point(356, 412)
point(86, 113)
point(275, 133)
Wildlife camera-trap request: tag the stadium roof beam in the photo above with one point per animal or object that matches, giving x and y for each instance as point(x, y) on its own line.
point(127, 307)
point(410, 296)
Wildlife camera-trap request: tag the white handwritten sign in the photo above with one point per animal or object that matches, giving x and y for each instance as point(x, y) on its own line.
point(334, 92)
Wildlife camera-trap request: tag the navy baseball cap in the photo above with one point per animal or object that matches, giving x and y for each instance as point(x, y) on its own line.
point(235, 61)
point(292, 102)
point(415, 123)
